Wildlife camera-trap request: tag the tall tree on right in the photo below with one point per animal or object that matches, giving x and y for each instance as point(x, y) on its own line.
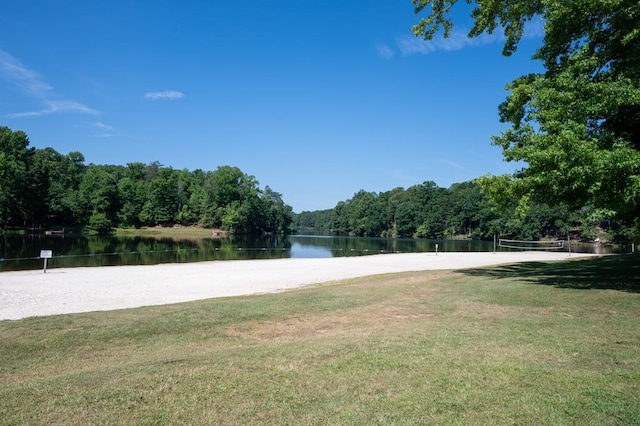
point(577, 125)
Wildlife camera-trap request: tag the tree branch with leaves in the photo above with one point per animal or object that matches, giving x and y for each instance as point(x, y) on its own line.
point(577, 125)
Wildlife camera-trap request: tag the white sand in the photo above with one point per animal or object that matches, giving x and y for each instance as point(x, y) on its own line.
point(71, 290)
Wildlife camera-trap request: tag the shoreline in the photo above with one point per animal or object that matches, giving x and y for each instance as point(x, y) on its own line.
point(74, 290)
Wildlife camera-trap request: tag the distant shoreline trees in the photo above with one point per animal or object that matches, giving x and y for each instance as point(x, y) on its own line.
point(460, 211)
point(41, 188)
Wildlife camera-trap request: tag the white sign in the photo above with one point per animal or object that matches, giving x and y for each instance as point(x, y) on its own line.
point(46, 254)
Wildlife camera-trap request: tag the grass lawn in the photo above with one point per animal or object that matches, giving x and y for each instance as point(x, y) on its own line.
point(179, 232)
point(533, 343)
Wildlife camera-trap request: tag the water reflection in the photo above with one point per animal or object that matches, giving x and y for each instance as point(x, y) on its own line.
point(22, 252)
point(301, 250)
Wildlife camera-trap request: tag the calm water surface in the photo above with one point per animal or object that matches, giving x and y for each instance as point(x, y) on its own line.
point(22, 252)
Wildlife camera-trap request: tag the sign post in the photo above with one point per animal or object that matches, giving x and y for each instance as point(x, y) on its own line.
point(46, 254)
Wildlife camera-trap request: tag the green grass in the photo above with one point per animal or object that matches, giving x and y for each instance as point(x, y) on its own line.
point(180, 232)
point(536, 343)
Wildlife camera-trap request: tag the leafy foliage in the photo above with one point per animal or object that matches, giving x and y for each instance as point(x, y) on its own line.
point(460, 211)
point(43, 188)
point(577, 125)
point(100, 223)
point(15, 157)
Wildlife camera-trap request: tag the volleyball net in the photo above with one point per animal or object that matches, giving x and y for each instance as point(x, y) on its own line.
point(531, 245)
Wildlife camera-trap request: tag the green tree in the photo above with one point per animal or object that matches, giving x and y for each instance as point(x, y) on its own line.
point(162, 202)
point(339, 218)
point(230, 219)
point(132, 194)
point(364, 220)
point(415, 210)
point(64, 189)
point(44, 194)
point(15, 160)
point(408, 218)
point(198, 207)
point(392, 199)
point(465, 201)
point(278, 216)
point(251, 217)
point(234, 198)
point(100, 223)
point(98, 194)
point(186, 184)
point(577, 125)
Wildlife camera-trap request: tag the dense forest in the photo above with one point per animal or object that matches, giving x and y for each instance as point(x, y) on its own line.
point(461, 211)
point(41, 188)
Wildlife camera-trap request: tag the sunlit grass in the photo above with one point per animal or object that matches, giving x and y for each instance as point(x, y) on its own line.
point(178, 232)
point(523, 344)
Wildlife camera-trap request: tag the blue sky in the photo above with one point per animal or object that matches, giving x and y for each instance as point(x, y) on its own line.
point(315, 99)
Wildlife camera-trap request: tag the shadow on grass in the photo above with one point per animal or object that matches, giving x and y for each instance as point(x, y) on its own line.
point(614, 272)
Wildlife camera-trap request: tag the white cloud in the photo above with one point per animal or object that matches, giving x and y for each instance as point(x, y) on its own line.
point(30, 82)
point(458, 40)
point(71, 106)
point(534, 28)
point(166, 95)
point(385, 51)
point(105, 126)
point(108, 131)
point(452, 164)
point(56, 107)
point(26, 79)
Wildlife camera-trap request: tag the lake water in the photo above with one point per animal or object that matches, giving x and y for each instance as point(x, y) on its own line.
point(22, 252)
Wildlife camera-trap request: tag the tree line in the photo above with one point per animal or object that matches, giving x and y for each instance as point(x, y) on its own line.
point(460, 211)
point(41, 188)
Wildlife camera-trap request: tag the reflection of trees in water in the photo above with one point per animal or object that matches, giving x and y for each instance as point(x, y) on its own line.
point(21, 252)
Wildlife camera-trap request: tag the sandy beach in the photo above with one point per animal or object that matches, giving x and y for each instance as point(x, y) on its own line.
point(72, 290)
